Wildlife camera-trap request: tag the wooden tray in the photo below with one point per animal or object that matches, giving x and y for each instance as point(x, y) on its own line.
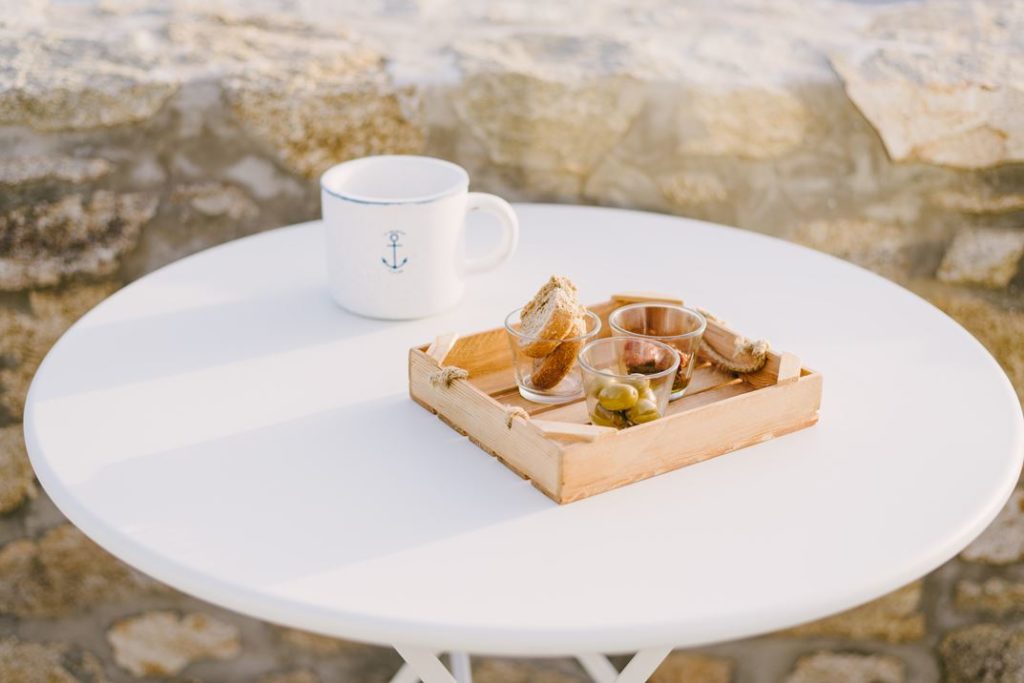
point(566, 457)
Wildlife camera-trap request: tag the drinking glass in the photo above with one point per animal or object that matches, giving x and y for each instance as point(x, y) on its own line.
point(622, 392)
point(678, 326)
point(562, 359)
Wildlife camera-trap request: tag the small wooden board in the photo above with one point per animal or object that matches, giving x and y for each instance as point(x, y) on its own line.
point(566, 457)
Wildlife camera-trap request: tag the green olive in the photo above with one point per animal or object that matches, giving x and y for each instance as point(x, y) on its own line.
point(649, 395)
point(618, 397)
point(643, 411)
point(599, 382)
point(639, 381)
point(602, 417)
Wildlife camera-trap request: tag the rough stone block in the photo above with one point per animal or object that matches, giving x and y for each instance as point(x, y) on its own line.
point(984, 257)
point(297, 676)
point(882, 247)
point(17, 480)
point(842, 667)
point(518, 94)
point(63, 572)
point(687, 667)
point(77, 77)
point(75, 235)
point(492, 670)
point(30, 662)
point(998, 327)
point(1003, 541)
point(162, 644)
point(996, 596)
point(315, 96)
point(316, 644)
point(980, 200)
point(983, 653)
point(15, 171)
point(895, 618)
point(26, 337)
point(933, 91)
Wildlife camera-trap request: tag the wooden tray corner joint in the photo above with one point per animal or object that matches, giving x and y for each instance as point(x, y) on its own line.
point(568, 458)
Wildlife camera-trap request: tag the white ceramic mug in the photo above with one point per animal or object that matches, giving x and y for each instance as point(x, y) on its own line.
point(395, 234)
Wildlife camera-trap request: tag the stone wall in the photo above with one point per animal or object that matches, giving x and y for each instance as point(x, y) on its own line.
point(135, 132)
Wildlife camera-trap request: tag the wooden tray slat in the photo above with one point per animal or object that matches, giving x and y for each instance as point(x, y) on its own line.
point(565, 457)
point(534, 409)
point(688, 437)
point(494, 383)
point(569, 412)
point(734, 387)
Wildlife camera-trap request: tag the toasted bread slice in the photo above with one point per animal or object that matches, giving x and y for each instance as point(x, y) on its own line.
point(560, 362)
point(548, 317)
point(555, 282)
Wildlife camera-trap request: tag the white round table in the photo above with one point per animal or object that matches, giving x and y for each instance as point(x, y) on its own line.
point(223, 427)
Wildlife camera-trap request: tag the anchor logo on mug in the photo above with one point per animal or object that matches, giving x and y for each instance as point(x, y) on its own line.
point(394, 266)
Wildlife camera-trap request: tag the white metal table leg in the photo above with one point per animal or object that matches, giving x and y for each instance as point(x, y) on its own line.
point(639, 669)
point(598, 667)
point(643, 665)
point(418, 662)
point(459, 662)
point(425, 665)
point(406, 675)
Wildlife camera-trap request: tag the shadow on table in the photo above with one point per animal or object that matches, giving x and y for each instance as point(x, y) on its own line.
point(151, 346)
point(311, 494)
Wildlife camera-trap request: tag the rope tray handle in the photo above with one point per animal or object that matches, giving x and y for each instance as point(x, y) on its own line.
point(444, 378)
point(446, 375)
point(756, 350)
point(512, 412)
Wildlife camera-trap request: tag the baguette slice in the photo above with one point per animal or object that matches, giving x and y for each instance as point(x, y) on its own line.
point(548, 317)
point(560, 362)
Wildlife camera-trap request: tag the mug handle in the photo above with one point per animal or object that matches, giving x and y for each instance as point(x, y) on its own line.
point(481, 201)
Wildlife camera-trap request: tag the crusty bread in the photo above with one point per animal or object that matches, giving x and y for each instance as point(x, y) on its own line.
point(554, 282)
point(548, 317)
point(560, 362)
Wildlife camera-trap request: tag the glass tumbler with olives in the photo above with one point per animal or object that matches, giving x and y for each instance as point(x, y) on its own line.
point(619, 394)
point(678, 326)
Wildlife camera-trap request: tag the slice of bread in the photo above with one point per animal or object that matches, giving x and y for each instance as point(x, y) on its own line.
point(553, 283)
point(560, 362)
point(548, 317)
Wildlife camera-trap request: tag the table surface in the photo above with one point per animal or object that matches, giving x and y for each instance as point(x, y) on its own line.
point(222, 426)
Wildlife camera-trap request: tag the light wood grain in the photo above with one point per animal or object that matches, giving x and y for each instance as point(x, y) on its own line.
point(789, 368)
point(723, 340)
point(513, 398)
point(482, 353)
point(496, 382)
point(623, 298)
point(688, 437)
point(567, 458)
point(569, 412)
point(572, 431)
point(521, 446)
point(441, 346)
point(734, 387)
point(704, 379)
point(708, 377)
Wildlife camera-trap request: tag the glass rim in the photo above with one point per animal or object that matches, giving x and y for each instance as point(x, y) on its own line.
point(618, 375)
point(588, 313)
point(659, 304)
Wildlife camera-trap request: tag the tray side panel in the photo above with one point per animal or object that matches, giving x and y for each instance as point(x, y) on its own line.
point(689, 437)
point(481, 353)
point(723, 339)
point(467, 410)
